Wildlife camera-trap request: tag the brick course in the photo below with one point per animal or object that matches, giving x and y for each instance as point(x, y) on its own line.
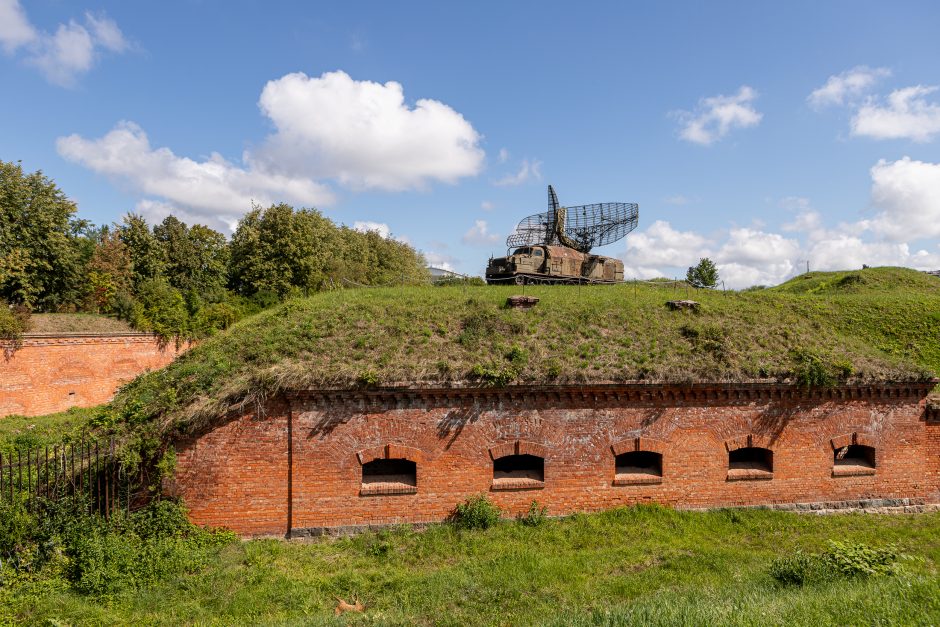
point(295, 464)
point(53, 373)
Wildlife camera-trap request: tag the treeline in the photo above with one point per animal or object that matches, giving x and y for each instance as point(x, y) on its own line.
point(173, 278)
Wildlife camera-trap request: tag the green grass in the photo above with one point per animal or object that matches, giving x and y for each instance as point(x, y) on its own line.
point(635, 566)
point(76, 323)
point(29, 432)
point(886, 326)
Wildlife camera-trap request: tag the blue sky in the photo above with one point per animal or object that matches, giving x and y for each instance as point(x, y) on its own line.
point(763, 135)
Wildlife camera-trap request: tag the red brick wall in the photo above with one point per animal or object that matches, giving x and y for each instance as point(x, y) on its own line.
point(240, 476)
point(50, 374)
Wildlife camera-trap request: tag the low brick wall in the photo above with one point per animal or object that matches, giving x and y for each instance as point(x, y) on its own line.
point(52, 373)
point(295, 466)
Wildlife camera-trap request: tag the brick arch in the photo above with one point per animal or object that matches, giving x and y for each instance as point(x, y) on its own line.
point(638, 444)
point(518, 447)
point(750, 440)
point(848, 439)
point(390, 451)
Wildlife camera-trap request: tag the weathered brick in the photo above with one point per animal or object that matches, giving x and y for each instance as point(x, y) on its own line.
point(51, 374)
point(242, 474)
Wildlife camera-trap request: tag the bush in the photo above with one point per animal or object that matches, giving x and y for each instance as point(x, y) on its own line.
point(535, 517)
point(477, 512)
point(840, 559)
point(851, 559)
point(797, 569)
point(98, 556)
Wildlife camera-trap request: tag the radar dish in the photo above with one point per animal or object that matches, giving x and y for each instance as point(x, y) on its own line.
point(582, 227)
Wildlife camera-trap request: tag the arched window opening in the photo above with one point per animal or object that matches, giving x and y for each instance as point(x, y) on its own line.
point(518, 472)
point(749, 463)
point(638, 467)
point(389, 476)
point(853, 460)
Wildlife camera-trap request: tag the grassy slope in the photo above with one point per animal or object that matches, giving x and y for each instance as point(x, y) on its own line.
point(76, 323)
point(642, 566)
point(29, 432)
point(886, 327)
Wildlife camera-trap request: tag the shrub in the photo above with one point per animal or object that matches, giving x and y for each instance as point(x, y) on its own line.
point(851, 559)
point(840, 559)
point(536, 515)
point(477, 512)
point(810, 371)
point(796, 569)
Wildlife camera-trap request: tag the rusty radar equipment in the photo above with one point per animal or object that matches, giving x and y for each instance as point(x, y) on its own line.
point(555, 246)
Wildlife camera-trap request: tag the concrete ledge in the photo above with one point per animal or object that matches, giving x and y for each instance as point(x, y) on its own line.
point(866, 506)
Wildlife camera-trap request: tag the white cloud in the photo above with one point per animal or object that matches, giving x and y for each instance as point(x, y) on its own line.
point(215, 190)
point(753, 257)
point(528, 170)
point(503, 156)
point(906, 115)
point(487, 205)
point(358, 133)
point(846, 86)
point(62, 56)
point(439, 260)
point(480, 235)
point(363, 134)
point(907, 193)
point(717, 116)
point(364, 226)
point(15, 29)
point(659, 247)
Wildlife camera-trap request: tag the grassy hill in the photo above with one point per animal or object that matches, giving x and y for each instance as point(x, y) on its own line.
point(869, 280)
point(818, 329)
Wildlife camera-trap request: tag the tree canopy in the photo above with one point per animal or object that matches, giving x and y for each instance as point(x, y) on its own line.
point(704, 274)
point(173, 278)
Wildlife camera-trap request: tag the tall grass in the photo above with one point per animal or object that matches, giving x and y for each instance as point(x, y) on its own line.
point(642, 565)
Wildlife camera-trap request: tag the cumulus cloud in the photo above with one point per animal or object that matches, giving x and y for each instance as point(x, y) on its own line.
point(359, 134)
point(907, 193)
point(440, 260)
point(503, 156)
point(63, 55)
point(215, 190)
point(528, 170)
point(15, 29)
point(660, 247)
point(846, 86)
point(717, 116)
point(907, 114)
point(364, 226)
point(363, 134)
point(479, 235)
point(753, 257)
point(487, 205)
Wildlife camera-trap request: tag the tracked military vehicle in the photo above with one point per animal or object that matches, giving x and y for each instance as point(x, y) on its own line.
point(555, 246)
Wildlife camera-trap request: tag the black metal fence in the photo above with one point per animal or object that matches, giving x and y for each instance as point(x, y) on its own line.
point(87, 468)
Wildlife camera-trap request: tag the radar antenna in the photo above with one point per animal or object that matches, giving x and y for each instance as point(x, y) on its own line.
point(582, 227)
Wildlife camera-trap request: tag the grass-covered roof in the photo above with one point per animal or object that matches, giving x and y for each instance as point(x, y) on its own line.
point(818, 329)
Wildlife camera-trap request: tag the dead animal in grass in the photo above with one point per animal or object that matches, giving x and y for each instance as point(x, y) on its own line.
point(343, 606)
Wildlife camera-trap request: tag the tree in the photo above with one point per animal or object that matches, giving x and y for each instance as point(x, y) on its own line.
point(41, 256)
point(148, 258)
point(282, 250)
point(196, 258)
point(108, 271)
point(705, 274)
